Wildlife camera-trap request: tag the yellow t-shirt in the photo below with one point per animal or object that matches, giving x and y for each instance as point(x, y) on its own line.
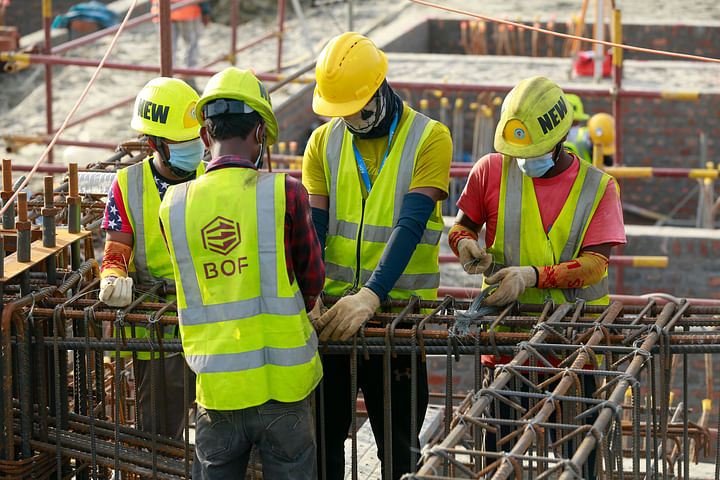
point(432, 168)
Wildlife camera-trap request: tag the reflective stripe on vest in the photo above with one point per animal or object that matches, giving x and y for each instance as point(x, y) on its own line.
point(245, 333)
point(344, 219)
point(520, 234)
point(142, 201)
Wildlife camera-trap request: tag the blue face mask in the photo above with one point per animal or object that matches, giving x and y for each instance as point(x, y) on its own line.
point(186, 155)
point(537, 166)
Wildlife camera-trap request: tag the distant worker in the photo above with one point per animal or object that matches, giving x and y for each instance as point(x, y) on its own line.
point(550, 220)
point(580, 140)
point(575, 139)
point(134, 248)
point(247, 265)
point(601, 127)
point(186, 25)
point(375, 174)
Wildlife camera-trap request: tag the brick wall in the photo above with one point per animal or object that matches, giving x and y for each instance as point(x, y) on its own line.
point(444, 36)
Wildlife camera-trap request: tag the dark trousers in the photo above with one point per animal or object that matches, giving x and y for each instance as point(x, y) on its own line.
point(168, 382)
point(337, 412)
point(506, 412)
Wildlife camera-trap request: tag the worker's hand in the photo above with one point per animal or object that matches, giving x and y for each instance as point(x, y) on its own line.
point(473, 258)
point(348, 314)
point(315, 314)
point(513, 282)
point(116, 291)
point(206, 20)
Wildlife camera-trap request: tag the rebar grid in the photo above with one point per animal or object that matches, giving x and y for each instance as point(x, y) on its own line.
point(87, 422)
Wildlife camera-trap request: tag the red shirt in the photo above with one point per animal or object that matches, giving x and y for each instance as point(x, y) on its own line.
point(481, 196)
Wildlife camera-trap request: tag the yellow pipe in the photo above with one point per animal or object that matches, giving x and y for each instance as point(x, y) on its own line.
point(680, 95)
point(14, 61)
point(597, 158)
point(650, 261)
point(47, 8)
point(629, 172)
point(617, 38)
point(703, 173)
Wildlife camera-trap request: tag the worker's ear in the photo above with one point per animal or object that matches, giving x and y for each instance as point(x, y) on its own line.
point(205, 137)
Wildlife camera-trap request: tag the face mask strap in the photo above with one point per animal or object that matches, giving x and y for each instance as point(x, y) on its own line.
point(159, 145)
point(259, 159)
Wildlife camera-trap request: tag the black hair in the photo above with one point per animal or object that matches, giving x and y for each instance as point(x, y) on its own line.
point(229, 125)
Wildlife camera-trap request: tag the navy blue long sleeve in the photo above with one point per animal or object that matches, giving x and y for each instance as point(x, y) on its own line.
point(414, 214)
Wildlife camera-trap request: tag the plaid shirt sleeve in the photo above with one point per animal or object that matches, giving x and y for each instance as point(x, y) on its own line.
point(302, 247)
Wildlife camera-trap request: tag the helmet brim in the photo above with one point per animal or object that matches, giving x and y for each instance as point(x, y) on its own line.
point(328, 109)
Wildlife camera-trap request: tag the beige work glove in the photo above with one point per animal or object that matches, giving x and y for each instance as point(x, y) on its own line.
point(472, 257)
point(513, 282)
point(116, 291)
point(316, 312)
point(347, 315)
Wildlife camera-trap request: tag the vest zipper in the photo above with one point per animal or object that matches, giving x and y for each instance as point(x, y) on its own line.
point(358, 271)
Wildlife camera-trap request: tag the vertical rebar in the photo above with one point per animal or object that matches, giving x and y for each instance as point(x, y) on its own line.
point(48, 213)
point(7, 192)
point(23, 229)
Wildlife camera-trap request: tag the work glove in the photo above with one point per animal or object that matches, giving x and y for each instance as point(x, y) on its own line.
point(315, 314)
point(116, 291)
point(348, 314)
point(513, 282)
point(473, 258)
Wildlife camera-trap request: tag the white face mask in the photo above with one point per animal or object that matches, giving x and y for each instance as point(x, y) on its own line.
point(537, 166)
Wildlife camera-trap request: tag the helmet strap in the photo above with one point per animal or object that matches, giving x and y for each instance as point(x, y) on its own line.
point(159, 145)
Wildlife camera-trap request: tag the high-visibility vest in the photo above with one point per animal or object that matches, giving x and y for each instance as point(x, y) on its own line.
point(243, 324)
point(359, 230)
point(185, 13)
point(150, 261)
point(520, 238)
point(578, 145)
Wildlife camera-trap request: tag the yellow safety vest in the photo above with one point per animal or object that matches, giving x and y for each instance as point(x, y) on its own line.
point(359, 229)
point(520, 238)
point(243, 324)
point(150, 261)
point(577, 146)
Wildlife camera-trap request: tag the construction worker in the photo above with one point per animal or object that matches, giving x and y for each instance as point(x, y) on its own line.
point(375, 174)
point(601, 128)
point(550, 219)
point(576, 141)
point(580, 140)
point(247, 265)
point(186, 23)
point(165, 114)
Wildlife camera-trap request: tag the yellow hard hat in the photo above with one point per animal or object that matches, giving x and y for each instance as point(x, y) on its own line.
point(577, 105)
point(534, 117)
point(602, 132)
point(165, 107)
point(241, 85)
point(348, 72)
